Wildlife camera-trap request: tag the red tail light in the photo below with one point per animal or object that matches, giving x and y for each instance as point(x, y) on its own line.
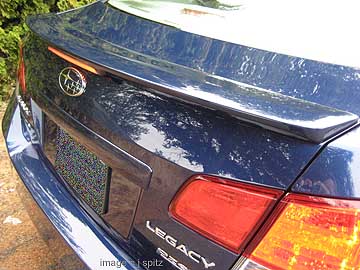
point(227, 212)
point(21, 70)
point(310, 233)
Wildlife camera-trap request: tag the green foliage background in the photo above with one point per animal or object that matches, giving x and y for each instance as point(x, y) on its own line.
point(12, 28)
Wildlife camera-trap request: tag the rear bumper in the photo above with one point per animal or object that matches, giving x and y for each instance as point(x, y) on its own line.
point(72, 235)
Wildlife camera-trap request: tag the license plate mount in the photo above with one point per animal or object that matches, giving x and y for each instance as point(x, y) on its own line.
point(88, 176)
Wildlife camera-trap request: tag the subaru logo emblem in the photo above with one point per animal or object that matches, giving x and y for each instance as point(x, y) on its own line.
point(72, 82)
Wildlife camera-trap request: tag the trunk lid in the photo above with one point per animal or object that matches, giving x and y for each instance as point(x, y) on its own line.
point(154, 140)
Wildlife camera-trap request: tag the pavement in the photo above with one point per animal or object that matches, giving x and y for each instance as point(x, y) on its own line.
point(21, 247)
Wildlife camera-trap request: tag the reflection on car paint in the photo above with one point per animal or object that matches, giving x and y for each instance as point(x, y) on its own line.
point(335, 172)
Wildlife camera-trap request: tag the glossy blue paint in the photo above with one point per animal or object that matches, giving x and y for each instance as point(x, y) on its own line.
point(193, 137)
point(161, 136)
point(335, 172)
point(75, 226)
point(170, 49)
point(175, 139)
point(275, 111)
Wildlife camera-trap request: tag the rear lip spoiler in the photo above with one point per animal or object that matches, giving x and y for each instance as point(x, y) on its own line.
point(280, 113)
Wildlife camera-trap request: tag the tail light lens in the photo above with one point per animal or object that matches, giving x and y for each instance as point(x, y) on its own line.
point(21, 71)
point(226, 212)
point(309, 233)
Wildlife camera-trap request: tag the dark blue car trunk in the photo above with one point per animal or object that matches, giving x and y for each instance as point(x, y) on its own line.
point(153, 142)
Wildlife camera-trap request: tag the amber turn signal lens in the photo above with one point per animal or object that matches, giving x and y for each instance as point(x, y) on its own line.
point(224, 211)
point(73, 60)
point(312, 233)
